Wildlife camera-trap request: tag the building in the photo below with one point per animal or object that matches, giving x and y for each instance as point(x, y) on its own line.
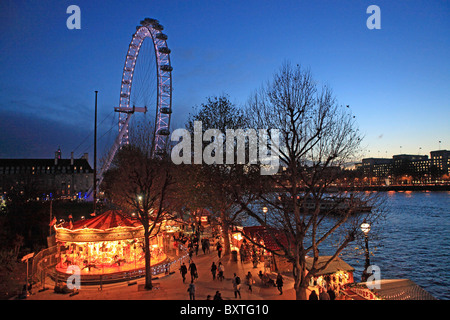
point(46, 178)
point(377, 167)
point(441, 160)
point(407, 168)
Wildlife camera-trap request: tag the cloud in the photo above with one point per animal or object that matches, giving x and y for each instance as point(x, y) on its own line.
point(34, 125)
point(25, 136)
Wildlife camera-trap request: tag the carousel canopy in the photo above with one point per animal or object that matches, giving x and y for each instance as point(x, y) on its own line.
point(108, 220)
point(109, 226)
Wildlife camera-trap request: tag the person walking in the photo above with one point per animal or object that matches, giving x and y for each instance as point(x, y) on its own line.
point(196, 248)
point(191, 290)
point(183, 271)
point(250, 281)
point(221, 270)
point(191, 252)
point(193, 269)
point(213, 270)
point(203, 246)
point(219, 249)
point(237, 286)
point(279, 283)
point(207, 244)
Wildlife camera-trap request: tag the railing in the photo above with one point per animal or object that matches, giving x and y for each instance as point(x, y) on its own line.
point(43, 263)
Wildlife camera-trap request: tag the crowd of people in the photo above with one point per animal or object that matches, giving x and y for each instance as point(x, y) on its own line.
point(194, 241)
point(218, 271)
point(247, 253)
point(328, 287)
point(323, 294)
point(250, 252)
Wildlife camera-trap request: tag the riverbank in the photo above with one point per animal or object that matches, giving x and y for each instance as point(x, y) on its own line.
point(398, 188)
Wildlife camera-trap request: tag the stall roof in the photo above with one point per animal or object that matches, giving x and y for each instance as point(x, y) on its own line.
point(107, 220)
point(268, 236)
point(401, 289)
point(205, 212)
point(334, 266)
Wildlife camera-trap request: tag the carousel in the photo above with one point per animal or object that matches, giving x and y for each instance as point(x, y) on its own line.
point(109, 244)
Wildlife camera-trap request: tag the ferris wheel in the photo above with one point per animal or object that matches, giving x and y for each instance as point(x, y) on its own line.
point(144, 80)
point(150, 29)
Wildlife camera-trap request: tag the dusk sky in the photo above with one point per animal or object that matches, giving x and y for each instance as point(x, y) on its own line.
point(395, 79)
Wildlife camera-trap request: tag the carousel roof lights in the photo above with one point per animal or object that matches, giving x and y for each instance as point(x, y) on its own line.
point(111, 225)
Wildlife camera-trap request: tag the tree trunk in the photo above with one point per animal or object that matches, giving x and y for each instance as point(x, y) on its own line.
point(148, 269)
point(300, 293)
point(225, 235)
point(301, 281)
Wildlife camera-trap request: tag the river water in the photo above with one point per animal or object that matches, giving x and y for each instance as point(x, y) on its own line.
point(413, 242)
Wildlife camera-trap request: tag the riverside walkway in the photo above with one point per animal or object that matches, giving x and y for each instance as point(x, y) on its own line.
point(171, 287)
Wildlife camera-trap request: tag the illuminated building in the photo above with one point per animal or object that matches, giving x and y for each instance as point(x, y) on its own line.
point(46, 178)
point(419, 168)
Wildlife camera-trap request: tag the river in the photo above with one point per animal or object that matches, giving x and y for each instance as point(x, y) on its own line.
point(413, 242)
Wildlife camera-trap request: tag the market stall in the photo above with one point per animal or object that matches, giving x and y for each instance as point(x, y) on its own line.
point(106, 244)
point(336, 275)
point(266, 238)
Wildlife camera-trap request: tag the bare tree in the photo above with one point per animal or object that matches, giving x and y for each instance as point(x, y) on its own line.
point(142, 184)
point(317, 136)
point(215, 186)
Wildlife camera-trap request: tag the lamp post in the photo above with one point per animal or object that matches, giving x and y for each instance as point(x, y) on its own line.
point(95, 155)
point(365, 228)
point(264, 210)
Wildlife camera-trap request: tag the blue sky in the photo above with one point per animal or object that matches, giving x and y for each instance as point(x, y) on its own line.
point(396, 79)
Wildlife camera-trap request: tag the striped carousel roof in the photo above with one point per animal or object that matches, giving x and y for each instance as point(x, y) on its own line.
point(107, 220)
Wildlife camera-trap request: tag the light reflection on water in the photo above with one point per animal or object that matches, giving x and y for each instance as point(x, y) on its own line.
point(413, 242)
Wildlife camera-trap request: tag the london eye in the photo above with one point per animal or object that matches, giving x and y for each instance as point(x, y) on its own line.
point(146, 85)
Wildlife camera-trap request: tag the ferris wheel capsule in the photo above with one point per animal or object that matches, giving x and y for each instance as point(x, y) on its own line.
point(166, 68)
point(158, 27)
point(164, 50)
point(162, 36)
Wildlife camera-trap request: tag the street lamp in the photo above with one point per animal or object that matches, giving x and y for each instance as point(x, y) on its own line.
point(365, 228)
point(264, 210)
point(139, 201)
